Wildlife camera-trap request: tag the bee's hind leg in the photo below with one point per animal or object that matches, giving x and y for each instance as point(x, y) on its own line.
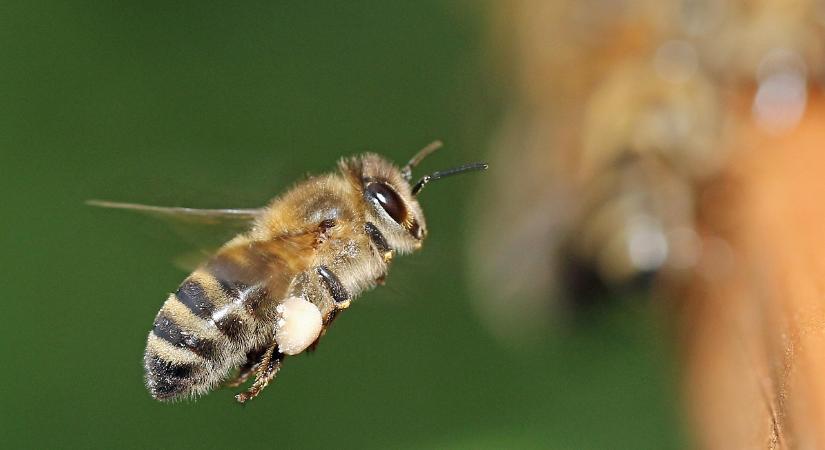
point(265, 371)
point(253, 360)
point(243, 375)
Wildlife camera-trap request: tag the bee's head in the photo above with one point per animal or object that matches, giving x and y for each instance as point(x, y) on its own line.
point(392, 204)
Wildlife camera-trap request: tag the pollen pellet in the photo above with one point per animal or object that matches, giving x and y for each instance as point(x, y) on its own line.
point(299, 325)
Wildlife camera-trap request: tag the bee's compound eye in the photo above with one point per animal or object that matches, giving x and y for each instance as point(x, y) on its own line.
point(298, 326)
point(388, 199)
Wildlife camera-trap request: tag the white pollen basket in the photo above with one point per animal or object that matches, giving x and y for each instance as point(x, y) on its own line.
point(298, 327)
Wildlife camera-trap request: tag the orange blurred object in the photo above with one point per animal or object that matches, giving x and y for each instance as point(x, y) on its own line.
point(680, 139)
point(754, 327)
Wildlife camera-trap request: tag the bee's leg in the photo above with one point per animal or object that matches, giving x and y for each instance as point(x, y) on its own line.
point(243, 375)
point(268, 367)
point(253, 360)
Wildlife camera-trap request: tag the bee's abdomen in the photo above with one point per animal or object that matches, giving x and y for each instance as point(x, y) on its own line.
point(193, 295)
point(168, 377)
point(197, 336)
point(167, 329)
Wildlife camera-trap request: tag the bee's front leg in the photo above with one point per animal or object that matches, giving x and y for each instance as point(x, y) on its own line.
point(267, 368)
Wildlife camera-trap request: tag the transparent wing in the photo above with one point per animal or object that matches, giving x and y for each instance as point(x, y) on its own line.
point(193, 215)
point(204, 229)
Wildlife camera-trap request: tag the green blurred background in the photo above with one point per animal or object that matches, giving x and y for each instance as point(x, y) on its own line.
point(211, 105)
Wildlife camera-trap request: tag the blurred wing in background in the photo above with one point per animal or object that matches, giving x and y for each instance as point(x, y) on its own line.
point(205, 229)
point(674, 141)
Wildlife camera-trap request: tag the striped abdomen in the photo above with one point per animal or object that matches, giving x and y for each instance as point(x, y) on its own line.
point(217, 315)
point(203, 330)
point(227, 309)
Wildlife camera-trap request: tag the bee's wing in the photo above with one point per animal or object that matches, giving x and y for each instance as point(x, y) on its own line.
point(205, 229)
point(193, 215)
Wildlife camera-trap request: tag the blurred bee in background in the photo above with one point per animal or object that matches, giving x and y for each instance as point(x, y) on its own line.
point(650, 140)
point(620, 115)
point(615, 124)
point(275, 288)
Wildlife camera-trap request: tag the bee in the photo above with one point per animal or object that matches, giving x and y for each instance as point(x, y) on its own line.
point(624, 116)
point(276, 288)
point(616, 127)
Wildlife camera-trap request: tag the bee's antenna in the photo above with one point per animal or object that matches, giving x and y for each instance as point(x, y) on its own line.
point(446, 173)
point(406, 171)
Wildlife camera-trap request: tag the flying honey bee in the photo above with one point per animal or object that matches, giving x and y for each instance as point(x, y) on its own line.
point(275, 289)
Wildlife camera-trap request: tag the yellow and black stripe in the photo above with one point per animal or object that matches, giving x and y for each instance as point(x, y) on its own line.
point(195, 331)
